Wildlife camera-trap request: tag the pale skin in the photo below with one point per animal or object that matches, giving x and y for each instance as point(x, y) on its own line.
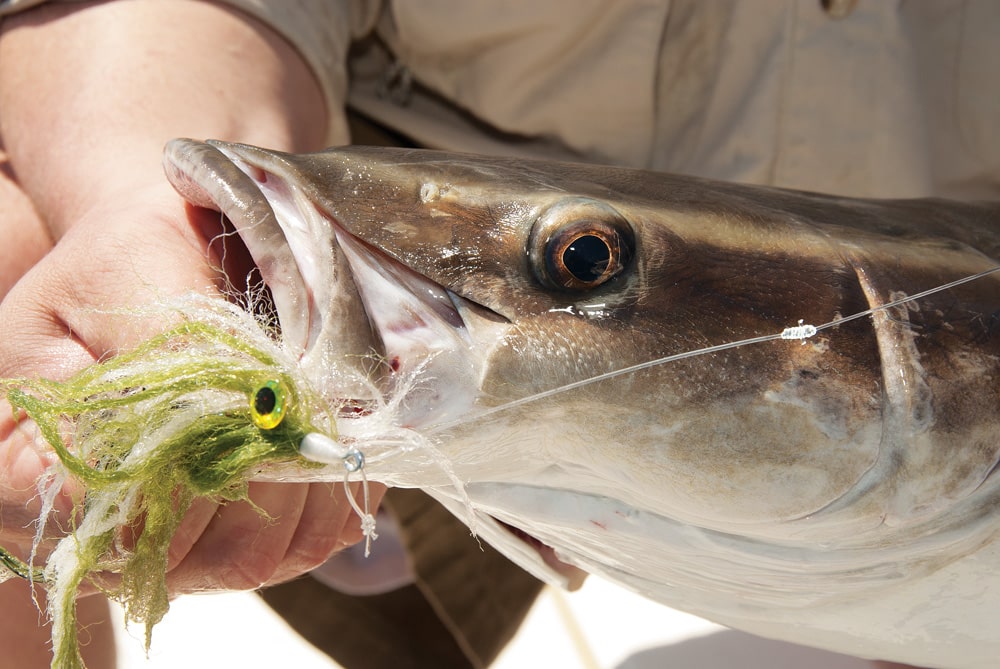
point(89, 94)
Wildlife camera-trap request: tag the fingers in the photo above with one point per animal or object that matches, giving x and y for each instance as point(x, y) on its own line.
point(21, 462)
point(284, 531)
point(84, 300)
point(241, 547)
point(321, 532)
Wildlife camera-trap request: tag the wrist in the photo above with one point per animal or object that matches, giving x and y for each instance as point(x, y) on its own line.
point(84, 119)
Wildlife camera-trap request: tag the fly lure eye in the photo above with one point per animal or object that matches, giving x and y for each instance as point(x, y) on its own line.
point(579, 244)
point(268, 404)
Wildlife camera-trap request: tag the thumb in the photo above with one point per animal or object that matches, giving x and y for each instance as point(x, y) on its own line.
point(89, 298)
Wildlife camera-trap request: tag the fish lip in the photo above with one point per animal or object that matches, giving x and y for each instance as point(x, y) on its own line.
point(205, 176)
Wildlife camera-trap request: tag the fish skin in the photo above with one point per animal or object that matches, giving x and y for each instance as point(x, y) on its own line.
point(837, 492)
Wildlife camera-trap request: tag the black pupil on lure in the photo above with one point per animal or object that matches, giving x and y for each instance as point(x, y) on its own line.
point(264, 401)
point(587, 258)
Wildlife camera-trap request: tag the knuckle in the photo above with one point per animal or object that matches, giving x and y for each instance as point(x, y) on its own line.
point(248, 573)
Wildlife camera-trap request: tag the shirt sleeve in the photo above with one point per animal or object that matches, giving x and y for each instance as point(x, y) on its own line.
point(320, 30)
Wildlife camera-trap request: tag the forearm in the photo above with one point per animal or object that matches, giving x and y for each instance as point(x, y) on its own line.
point(112, 82)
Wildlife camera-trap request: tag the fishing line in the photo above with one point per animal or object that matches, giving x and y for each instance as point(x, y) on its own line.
point(181, 417)
point(911, 298)
point(799, 332)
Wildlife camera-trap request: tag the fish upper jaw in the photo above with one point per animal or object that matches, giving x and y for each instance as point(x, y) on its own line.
point(205, 177)
point(319, 311)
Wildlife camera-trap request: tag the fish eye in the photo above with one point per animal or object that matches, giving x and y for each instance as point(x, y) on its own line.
point(268, 405)
point(580, 244)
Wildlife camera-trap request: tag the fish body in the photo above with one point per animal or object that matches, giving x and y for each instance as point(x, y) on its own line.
point(837, 490)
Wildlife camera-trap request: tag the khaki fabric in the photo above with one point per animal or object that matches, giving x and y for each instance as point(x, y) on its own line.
point(883, 98)
point(896, 99)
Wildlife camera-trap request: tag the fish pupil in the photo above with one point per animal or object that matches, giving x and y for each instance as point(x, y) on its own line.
point(268, 405)
point(264, 401)
point(587, 258)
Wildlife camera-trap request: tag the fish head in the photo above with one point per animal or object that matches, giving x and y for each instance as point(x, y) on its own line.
point(494, 301)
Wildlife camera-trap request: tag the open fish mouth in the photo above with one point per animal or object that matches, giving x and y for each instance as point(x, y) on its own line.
point(362, 322)
point(337, 298)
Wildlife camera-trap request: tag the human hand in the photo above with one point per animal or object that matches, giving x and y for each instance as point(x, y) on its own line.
point(125, 239)
point(25, 237)
point(127, 254)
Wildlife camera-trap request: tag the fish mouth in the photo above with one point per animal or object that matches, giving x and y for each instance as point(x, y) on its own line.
point(339, 298)
point(340, 302)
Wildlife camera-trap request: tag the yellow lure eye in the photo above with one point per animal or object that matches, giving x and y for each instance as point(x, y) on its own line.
point(268, 405)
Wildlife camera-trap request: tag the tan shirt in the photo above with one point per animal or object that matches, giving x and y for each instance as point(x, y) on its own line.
point(894, 98)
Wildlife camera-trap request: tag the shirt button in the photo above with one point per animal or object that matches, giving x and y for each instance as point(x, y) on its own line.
point(838, 9)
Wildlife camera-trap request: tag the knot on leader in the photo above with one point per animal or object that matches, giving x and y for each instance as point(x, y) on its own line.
point(317, 447)
point(800, 332)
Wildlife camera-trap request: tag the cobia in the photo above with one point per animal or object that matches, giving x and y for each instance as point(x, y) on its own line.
point(835, 487)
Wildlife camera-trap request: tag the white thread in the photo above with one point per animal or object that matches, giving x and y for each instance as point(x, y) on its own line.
point(367, 519)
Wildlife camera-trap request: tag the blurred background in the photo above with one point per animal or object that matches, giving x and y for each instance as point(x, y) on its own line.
point(599, 626)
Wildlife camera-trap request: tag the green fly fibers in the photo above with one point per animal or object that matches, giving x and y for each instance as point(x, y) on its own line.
point(193, 412)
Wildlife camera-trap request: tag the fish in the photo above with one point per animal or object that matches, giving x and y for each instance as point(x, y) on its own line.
point(777, 410)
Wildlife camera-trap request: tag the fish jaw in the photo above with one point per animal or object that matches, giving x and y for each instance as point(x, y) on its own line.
point(206, 178)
